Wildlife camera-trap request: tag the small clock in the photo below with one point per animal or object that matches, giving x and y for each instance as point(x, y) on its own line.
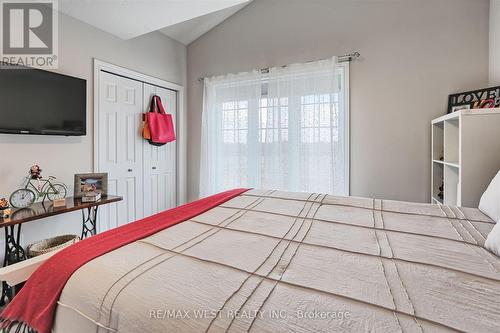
point(22, 198)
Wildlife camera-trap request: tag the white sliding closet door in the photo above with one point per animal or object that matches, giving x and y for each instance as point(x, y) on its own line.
point(120, 147)
point(160, 162)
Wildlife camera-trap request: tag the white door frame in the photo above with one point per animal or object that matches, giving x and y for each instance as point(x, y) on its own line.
point(100, 65)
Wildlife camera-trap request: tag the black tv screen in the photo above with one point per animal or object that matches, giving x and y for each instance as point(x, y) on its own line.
point(34, 101)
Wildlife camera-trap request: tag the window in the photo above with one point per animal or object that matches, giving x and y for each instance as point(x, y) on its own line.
point(284, 130)
point(273, 120)
point(235, 122)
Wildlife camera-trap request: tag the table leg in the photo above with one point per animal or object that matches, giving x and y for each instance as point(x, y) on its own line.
point(13, 253)
point(89, 222)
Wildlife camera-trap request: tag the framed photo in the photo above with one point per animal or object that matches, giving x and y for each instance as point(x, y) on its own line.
point(460, 107)
point(91, 182)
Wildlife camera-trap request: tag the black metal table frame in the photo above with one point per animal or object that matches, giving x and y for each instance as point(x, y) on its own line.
point(89, 225)
point(15, 253)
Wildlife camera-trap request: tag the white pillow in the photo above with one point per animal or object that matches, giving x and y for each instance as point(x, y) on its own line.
point(493, 241)
point(490, 201)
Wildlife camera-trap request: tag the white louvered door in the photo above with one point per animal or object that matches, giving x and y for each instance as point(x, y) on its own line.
point(120, 147)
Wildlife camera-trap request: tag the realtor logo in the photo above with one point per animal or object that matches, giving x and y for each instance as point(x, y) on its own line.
point(29, 33)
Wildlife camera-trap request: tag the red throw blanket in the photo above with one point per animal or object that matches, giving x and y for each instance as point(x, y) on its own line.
point(33, 309)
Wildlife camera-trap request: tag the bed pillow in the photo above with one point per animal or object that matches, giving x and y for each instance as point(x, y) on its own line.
point(493, 241)
point(490, 201)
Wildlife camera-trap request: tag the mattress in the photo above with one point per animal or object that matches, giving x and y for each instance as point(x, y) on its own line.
point(271, 261)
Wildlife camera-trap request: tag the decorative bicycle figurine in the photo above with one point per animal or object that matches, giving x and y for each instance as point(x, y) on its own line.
point(37, 187)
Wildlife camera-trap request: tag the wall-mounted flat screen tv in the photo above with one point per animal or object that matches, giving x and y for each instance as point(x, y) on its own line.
point(34, 101)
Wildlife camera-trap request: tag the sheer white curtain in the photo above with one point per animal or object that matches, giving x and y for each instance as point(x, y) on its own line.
point(229, 104)
point(286, 129)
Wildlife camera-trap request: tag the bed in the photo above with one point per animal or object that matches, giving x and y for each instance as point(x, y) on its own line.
point(271, 261)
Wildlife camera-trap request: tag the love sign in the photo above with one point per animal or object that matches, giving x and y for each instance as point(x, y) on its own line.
point(477, 99)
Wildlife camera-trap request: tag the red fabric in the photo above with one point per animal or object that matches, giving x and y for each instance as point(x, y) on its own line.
point(161, 125)
point(35, 305)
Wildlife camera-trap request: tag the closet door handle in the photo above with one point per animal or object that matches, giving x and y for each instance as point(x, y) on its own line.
point(154, 168)
point(129, 170)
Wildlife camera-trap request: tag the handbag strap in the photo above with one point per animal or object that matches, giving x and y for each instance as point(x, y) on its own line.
point(159, 105)
point(156, 105)
point(153, 107)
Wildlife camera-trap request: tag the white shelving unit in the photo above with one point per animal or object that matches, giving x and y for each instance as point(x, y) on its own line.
point(465, 155)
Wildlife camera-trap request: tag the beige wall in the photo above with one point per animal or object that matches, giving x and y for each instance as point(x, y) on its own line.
point(414, 53)
point(494, 42)
point(153, 54)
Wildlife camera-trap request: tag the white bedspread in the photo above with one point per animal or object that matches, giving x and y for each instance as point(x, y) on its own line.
point(269, 261)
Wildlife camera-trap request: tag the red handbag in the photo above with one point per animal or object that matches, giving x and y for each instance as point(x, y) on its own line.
point(159, 123)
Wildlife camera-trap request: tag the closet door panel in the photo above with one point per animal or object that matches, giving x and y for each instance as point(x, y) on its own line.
point(120, 147)
point(167, 159)
point(160, 162)
point(150, 190)
point(108, 214)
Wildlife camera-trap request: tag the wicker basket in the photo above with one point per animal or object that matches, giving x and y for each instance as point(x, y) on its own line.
point(51, 244)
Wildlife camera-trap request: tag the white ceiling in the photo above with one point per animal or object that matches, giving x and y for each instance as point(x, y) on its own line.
point(188, 31)
point(183, 20)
